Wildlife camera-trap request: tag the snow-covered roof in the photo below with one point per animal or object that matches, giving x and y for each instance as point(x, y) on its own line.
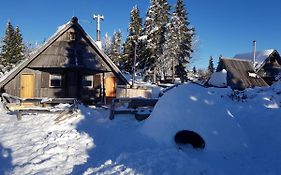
point(6, 75)
point(261, 56)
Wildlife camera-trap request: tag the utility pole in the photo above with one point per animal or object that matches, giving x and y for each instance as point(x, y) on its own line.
point(134, 65)
point(254, 54)
point(98, 18)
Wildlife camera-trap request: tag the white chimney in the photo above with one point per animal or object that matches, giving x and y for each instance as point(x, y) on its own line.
point(98, 18)
point(254, 53)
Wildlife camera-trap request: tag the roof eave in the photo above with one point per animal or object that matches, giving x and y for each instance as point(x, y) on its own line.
point(34, 55)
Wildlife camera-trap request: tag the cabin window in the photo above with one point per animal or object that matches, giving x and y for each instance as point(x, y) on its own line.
point(72, 36)
point(87, 81)
point(55, 80)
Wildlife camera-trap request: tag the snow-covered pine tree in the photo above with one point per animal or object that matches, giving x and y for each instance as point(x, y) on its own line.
point(107, 44)
point(171, 48)
point(7, 46)
point(211, 67)
point(157, 17)
point(19, 47)
point(135, 30)
point(116, 48)
point(12, 48)
point(186, 34)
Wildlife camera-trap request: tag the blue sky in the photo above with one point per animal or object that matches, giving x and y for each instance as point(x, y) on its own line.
point(223, 27)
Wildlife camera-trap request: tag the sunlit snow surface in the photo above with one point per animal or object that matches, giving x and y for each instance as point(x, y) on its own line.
point(241, 131)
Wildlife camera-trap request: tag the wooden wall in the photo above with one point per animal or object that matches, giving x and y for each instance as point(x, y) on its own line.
point(13, 87)
point(42, 89)
point(133, 92)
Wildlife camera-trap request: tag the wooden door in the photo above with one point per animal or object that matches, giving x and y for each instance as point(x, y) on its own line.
point(73, 84)
point(110, 86)
point(27, 86)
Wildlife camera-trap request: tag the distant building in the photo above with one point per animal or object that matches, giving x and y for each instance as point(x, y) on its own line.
point(243, 73)
point(267, 64)
point(240, 74)
point(68, 65)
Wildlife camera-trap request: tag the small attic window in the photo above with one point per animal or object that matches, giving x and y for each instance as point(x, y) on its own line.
point(72, 36)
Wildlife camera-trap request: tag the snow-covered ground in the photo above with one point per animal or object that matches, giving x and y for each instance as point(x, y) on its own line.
point(241, 132)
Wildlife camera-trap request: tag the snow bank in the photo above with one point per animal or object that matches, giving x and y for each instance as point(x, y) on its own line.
point(218, 79)
point(240, 129)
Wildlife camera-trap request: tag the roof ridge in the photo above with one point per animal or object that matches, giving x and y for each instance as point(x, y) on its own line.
point(236, 59)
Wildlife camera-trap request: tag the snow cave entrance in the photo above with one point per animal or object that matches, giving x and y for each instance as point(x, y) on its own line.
point(186, 137)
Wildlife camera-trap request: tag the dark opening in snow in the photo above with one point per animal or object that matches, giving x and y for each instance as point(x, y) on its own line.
point(185, 137)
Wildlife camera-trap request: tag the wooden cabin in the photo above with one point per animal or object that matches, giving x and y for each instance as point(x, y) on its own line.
point(240, 74)
point(68, 65)
point(267, 64)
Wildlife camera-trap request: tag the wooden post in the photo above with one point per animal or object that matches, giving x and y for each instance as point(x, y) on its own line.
point(103, 89)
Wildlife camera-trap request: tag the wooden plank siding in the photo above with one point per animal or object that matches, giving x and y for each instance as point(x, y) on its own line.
point(14, 86)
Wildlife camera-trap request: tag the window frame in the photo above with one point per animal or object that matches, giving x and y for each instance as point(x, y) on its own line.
point(84, 77)
point(51, 77)
point(72, 36)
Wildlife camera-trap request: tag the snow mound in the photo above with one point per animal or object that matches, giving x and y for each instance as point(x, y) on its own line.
point(240, 129)
point(218, 79)
point(195, 108)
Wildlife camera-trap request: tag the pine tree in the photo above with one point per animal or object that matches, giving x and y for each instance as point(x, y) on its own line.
point(185, 34)
point(116, 48)
point(171, 48)
point(107, 44)
point(211, 67)
point(132, 41)
point(7, 45)
point(19, 47)
point(157, 17)
point(12, 49)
